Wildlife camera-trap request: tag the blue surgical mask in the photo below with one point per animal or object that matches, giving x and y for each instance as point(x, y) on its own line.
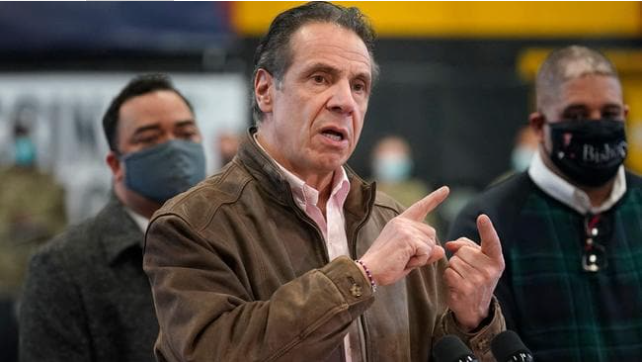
point(163, 171)
point(24, 151)
point(521, 158)
point(392, 168)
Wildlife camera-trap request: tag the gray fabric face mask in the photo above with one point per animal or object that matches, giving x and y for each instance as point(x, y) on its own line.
point(163, 171)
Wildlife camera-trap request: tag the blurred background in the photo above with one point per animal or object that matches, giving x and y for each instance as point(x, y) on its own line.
point(456, 79)
point(455, 92)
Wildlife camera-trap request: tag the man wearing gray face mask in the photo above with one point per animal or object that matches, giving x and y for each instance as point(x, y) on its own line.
point(87, 297)
point(570, 225)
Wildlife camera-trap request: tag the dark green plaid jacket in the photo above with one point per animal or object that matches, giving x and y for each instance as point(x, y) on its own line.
point(561, 312)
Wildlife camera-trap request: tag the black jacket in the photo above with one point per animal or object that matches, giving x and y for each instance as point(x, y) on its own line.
point(86, 296)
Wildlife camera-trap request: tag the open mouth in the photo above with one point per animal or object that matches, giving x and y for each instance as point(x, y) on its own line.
point(334, 134)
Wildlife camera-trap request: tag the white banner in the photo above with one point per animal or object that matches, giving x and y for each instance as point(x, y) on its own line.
point(66, 110)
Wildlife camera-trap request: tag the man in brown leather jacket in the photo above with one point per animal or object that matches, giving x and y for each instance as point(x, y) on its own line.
point(257, 263)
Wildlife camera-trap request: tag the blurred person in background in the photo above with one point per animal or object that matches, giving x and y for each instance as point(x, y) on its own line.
point(392, 166)
point(258, 262)
point(570, 225)
point(524, 149)
point(526, 145)
point(32, 208)
point(86, 297)
point(32, 211)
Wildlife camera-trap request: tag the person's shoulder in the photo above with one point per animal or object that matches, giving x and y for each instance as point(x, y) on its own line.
point(505, 191)
point(201, 202)
point(72, 247)
point(502, 202)
point(633, 181)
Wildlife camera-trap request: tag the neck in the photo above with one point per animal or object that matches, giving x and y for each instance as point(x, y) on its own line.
point(597, 195)
point(321, 182)
point(136, 202)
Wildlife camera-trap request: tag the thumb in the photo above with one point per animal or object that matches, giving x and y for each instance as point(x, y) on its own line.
point(490, 244)
point(421, 208)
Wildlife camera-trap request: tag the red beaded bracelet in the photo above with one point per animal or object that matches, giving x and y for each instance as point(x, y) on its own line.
point(369, 274)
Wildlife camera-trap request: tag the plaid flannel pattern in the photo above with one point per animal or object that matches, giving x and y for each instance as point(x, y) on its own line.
point(561, 311)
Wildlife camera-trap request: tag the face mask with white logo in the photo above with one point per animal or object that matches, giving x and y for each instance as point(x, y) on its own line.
point(589, 152)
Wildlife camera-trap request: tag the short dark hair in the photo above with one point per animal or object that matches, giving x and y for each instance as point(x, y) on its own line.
point(565, 64)
point(273, 53)
point(143, 84)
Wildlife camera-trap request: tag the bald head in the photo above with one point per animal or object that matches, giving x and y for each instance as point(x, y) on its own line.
point(565, 64)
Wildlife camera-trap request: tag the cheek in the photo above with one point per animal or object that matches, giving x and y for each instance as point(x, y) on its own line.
point(546, 139)
point(357, 127)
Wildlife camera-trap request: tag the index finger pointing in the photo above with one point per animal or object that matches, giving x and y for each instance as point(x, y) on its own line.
point(421, 208)
point(490, 244)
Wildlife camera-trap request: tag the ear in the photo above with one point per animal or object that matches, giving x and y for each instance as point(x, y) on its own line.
point(626, 110)
point(537, 121)
point(263, 90)
point(115, 166)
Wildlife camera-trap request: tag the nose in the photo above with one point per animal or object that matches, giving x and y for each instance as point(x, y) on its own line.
point(342, 99)
point(595, 115)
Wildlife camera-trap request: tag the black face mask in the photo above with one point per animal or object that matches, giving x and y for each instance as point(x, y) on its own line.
point(588, 152)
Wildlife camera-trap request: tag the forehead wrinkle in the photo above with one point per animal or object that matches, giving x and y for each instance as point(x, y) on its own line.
point(312, 43)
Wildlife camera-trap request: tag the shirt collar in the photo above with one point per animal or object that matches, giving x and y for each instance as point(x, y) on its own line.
point(117, 229)
point(570, 195)
point(140, 220)
point(306, 194)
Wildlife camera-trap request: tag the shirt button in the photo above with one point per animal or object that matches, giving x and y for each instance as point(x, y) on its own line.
point(356, 291)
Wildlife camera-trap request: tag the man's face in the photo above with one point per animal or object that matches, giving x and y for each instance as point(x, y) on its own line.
point(314, 115)
point(151, 119)
point(591, 97)
point(154, 118)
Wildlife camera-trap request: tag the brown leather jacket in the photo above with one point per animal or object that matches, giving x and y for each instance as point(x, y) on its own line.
point(240, 273)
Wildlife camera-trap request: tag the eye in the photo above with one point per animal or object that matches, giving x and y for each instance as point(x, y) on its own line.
point(187, 135)
point(575, 115)
point(359, 87)
point(318, 79)
point(611, 114)
point(147, 139)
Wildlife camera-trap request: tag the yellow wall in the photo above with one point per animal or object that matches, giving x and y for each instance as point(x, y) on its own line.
point(471, 19)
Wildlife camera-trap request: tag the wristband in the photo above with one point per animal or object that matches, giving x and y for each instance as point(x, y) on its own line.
point(369, 274)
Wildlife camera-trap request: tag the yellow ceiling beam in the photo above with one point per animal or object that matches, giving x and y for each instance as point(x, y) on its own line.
point(628, 62)
point(471, 19)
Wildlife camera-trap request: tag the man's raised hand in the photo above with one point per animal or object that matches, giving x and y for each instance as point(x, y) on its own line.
point(406, 242)
point(472, 274)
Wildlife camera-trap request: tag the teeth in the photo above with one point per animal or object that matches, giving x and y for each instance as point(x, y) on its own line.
point(333, 136)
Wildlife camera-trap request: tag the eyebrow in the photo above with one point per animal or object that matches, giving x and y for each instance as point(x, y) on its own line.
point(156, 126)
point(151, 127)
point(185, 123)
point(581, 107)
point(322, 67)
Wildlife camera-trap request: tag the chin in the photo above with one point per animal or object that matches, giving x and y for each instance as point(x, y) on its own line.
point(329, 162)
point(326, 165)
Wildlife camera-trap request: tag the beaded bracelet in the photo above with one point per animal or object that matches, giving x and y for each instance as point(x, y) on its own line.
point(369, 274)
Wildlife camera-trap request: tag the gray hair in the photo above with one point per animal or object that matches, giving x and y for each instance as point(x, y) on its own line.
point(273, 53)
